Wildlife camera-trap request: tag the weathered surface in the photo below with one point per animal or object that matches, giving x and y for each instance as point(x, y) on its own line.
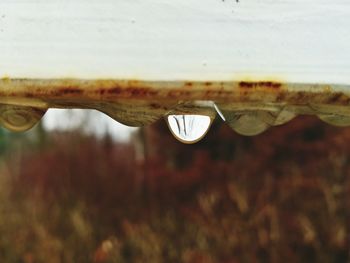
point(137, 103)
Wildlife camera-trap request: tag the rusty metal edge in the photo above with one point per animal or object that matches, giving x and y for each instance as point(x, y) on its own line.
point(137, 102)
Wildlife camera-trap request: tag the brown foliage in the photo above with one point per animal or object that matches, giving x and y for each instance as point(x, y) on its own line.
point(282, 194)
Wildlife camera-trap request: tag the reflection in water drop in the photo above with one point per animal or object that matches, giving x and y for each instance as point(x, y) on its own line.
point(18, 119)
point(218, 111)
point(336, 120)
point(284, 116)
point(189, 128)
point(248, 123)
point(277, 118)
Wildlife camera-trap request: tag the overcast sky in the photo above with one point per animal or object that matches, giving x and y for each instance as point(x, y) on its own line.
point(91, 122)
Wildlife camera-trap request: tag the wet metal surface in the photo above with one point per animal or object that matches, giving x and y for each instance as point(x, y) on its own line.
point(249, 107)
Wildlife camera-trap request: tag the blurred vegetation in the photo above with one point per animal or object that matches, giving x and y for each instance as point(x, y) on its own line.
point(282, 195)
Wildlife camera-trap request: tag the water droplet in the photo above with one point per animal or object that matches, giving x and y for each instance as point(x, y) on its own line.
point(336, 120)
point(275, 118)
point(19, 119)
point(246, 123)
point(284, 116)
point(189, 128)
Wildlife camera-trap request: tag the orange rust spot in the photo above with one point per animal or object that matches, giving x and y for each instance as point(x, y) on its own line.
point(188, 84)
point(101, 91)
point(259, 84)
point(115, 90)
point(70, 91)
point(128, 91)
point(141, 92)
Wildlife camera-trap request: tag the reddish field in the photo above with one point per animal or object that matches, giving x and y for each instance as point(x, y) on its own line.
point(283, 195)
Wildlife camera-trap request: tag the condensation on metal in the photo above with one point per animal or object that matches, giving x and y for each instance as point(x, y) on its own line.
point(249, 107)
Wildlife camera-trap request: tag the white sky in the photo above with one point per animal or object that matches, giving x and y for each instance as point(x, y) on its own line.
point(295, 41)
point(90, 121)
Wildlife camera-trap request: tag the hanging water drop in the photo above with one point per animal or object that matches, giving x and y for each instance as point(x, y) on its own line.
point(18, 118)
point(189, 128)
point(247, 123)
point(336, 120)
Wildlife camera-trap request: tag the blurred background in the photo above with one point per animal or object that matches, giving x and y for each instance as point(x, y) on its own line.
point(80, 187)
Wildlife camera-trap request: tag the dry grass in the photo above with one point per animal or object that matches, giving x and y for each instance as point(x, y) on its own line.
point(280, 196)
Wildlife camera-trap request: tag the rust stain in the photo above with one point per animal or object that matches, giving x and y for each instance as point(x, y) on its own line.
point(101, 91)
point(115, 90)
point(136, 92)
point(267, 90)
point(70, 90)
point(260, 84)
point(141, 92)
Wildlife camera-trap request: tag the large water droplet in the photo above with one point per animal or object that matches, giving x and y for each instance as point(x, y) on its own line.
point(336, 120)
point(18, 119)
point(189, 128)
point(247, 123)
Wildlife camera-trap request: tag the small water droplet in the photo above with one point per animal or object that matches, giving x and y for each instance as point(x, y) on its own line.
point(336, 120)
point(247, 123)
point(189, 128)
point(19, 118)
